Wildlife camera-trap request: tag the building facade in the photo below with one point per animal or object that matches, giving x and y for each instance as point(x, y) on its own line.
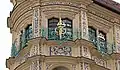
point(64, 35)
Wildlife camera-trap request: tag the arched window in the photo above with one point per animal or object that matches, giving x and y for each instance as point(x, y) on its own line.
point(59, 29)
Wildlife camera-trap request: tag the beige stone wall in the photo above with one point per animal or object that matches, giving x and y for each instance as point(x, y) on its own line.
point(83, 54)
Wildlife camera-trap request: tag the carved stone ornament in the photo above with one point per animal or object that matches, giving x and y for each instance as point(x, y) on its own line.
point(35, 50)
point(36, 23)
point(84, 25)
point(118, 38)
point(35, 65)
point(59, 50)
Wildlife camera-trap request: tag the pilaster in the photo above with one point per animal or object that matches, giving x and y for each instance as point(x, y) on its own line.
point(36, 21)
point(84, 23)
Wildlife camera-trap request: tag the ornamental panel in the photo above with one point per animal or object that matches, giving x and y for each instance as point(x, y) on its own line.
point(59, 50)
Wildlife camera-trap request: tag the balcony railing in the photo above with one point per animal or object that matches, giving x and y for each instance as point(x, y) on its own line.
point(104, 47)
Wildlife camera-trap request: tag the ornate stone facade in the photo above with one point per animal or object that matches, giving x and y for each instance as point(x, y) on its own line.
point(64, 35)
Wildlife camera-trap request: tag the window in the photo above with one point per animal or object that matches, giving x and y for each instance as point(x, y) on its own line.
point(22, 40)
point(25, 36)
point(59, 29)
point(102, 41)
point(92, 35)
point(99, 40)
point(52, 24)
point(28, 32)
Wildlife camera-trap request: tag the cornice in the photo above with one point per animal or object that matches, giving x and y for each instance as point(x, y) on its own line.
point(104, 13)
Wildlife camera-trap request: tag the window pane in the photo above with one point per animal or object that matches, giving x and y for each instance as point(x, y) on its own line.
point(53, 29)
point(92, 35)
point(102, 42)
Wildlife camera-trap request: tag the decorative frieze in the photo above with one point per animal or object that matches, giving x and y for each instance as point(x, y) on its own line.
point(59, 50)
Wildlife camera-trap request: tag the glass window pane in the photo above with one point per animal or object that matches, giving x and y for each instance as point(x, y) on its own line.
point(53, 29)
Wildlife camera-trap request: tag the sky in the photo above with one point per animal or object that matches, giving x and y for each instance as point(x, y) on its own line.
point(5, 35)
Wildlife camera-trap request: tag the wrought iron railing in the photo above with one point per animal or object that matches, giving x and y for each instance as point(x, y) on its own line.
point(105, 48)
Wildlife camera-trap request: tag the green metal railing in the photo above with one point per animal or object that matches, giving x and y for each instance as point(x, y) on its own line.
point(24, 38)
point(106, 48)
